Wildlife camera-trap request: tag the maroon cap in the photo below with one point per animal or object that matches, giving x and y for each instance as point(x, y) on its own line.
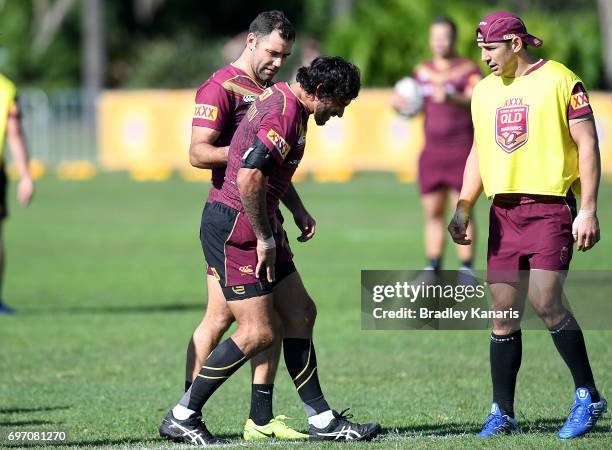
point(503, 26)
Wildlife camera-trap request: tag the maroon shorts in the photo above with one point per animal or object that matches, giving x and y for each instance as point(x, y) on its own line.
point(230, 249)
point(529, 232)
point(442, 168)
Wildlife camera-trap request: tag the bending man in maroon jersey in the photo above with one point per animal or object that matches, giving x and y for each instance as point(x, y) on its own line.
point(244, 244)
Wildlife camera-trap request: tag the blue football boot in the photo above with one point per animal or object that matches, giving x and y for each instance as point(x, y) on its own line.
point(583, 415)
point(498, 424)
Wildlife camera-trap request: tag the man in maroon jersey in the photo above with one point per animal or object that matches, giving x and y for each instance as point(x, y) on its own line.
point(446, 83)
point(221, 103)
point(245, 245)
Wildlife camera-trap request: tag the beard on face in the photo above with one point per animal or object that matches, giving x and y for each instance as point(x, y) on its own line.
point(321, 117)
point(264, 74)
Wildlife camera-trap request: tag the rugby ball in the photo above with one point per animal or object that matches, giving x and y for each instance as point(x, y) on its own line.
point(410, 90)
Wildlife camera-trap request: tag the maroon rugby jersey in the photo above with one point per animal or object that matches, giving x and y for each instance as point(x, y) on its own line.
point(447, 124)
point(279, 120)
point(221, 103)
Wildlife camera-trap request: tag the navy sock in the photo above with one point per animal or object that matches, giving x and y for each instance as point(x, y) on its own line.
point(261, 403)
point(436, 264)
point(301, 362)
point(569, 340)
point(468, 263)
point(225, 359)
point(505, 355)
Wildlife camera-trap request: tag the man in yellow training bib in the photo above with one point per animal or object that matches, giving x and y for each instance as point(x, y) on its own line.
point(534, 141)
point(10, 126)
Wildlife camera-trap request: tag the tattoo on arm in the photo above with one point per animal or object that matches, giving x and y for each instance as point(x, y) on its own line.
point(254, 202)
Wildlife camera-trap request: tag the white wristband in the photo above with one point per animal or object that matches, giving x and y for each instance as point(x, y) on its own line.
point(267, 244)
point(585, 214)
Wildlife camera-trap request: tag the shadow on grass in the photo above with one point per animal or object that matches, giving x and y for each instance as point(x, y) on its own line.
point(433, 429)
point(127, 309)
point(19, 423)
point(552, 425)
point(97, 443)
point(102, 443)
point(31, 410)
point(546, 425)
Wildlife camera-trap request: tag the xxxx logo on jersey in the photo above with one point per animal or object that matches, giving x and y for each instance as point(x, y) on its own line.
point(279, 142)
point(579, 100)
point(208, 112)
point(511, 124)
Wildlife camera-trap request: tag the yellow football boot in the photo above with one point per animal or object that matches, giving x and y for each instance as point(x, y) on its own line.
point(275, 429)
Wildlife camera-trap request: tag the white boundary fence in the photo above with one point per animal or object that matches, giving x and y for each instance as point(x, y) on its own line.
point(60, 125)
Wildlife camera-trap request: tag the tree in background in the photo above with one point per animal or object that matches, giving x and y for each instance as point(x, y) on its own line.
point(387, 38)
point(605, 16)
point(158, 43)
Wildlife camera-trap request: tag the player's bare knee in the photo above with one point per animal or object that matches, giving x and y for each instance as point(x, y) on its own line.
point(210, 329)
point(505, 326)
point(305, 321)
point(255, 336)
point(310, 312)
point(263, 337)
point(551, 313)
point(435, 214)
point(300, 321)
point(222, 322)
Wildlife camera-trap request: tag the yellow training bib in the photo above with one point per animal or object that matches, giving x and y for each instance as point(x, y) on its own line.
point(522, 133)
point(7, 98)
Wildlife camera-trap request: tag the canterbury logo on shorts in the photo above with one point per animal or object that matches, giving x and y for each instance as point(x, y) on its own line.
point(238, 290)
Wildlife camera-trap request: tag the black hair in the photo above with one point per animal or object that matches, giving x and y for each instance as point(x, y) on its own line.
point(447, 21)
point(268, 21)
point(338, 78)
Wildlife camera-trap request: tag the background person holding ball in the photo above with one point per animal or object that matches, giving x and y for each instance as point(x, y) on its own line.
point(445, 83)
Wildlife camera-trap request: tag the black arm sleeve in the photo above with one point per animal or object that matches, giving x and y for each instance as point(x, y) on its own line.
point(258, 157)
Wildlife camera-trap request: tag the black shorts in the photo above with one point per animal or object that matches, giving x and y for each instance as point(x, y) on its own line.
point(230, 249)
point(3, 194)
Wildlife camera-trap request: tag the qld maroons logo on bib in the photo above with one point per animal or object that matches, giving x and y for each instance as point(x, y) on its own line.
point(511, 124)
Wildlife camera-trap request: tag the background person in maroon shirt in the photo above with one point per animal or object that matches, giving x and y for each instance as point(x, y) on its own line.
point(446, 83)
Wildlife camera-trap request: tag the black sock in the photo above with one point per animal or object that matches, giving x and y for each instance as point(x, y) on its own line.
point(505, 355)
point(435, 264)
point(569, 340)
point(468, 263)
point(301, 363)
point(261, 403)
point(188, 385)
point(225, 359)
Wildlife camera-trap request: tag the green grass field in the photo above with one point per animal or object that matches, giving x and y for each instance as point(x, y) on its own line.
point(107, 276)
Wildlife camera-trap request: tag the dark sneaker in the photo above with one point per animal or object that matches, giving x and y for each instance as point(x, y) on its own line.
point(341, 429)
point(428, 276)
point(4, 309)
point(190, 431)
